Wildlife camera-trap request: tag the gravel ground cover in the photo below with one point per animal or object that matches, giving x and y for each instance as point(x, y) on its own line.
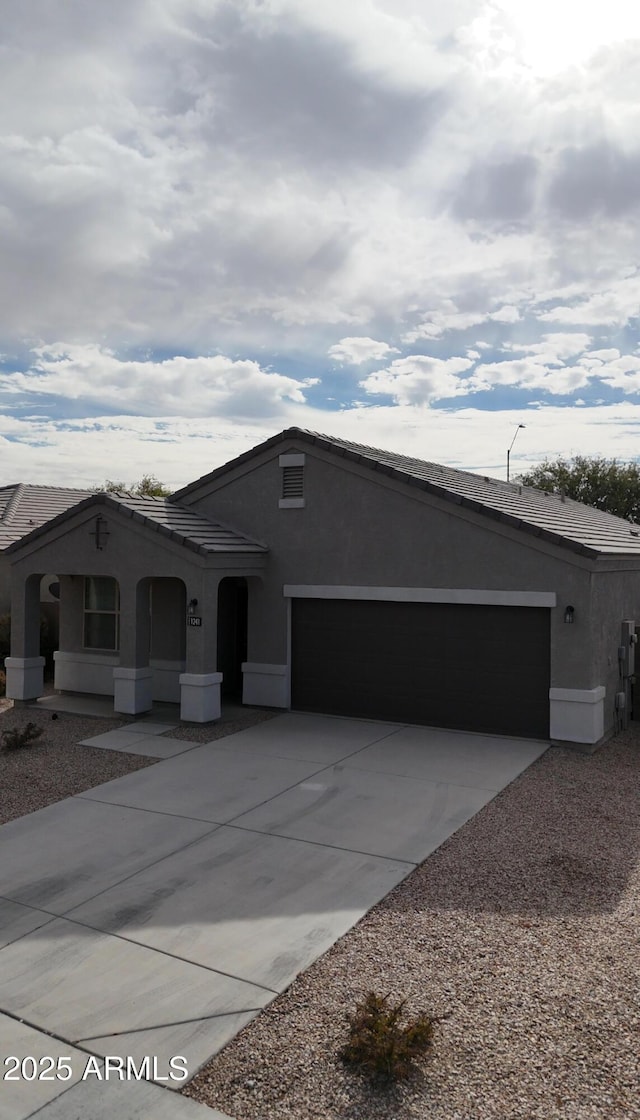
point(522, 930)
point(56, 766)
point(239, 720)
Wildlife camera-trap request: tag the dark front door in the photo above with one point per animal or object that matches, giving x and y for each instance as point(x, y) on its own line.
point(232, 634)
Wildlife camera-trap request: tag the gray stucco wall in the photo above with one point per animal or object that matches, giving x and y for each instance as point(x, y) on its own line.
point(616, 598)
point(133, 553)
point(5, 584)
point(359, 529)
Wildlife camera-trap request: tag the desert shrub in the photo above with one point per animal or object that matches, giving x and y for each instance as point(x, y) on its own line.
point(19, 737)
point(379, 1044)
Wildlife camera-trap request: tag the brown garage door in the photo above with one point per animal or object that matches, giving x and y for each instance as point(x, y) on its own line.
point(477, 668)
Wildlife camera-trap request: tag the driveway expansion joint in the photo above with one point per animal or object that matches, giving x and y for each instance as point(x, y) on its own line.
point(267, 903)
point(323, 844)
point(146, 867)
point(43, 1030)
point(166, 953)
point(174, 1023)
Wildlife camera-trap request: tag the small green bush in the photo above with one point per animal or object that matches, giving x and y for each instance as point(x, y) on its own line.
point(19, 737)
point(380, 1045)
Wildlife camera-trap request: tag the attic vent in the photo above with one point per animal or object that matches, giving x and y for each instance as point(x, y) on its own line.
point(293, 482)
point(292, 492)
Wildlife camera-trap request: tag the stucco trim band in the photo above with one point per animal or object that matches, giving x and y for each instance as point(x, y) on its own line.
point(576, 715)
point(200, 697)
point(472, 596)
point(25, 677)
point(132, 690)
point(84, 672)
point(264, 685)
point(578, 695)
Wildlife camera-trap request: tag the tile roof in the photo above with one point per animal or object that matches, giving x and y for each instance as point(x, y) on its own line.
point(170, 520)
point(185, 525)
point(24, 507)
point(549, 517)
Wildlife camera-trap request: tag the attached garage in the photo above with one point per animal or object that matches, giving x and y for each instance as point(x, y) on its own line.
point(330, 576)
point(468, 666)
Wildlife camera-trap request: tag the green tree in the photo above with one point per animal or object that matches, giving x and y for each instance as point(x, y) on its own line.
point(148, 487)
point(607, 484)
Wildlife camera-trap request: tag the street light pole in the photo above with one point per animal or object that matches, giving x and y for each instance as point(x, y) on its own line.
point(512, 443)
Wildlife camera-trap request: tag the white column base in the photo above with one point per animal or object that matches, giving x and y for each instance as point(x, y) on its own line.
point(577, 714)
point(132, 690)
point(25, 677)
point(264, 685)
point(200, 697)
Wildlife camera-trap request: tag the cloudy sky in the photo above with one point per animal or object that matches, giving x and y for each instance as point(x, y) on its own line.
point(411, 223)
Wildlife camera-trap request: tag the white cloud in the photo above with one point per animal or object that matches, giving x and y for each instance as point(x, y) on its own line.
point(176, 180)
point(178, 386)
point(596, 358)
point(419, 379)
point(552, 37)
point(354, 351)
point(439, 322)
point(83, 452)
point(506, 314)
point(256, 179)
point(622, 373)
point(555, 347)
point(611, 307)
point(530, 373)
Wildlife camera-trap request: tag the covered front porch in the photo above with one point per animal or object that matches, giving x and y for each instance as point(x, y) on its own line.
point(145, 616)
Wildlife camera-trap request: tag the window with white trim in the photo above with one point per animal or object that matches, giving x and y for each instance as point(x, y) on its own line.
point(101, 613)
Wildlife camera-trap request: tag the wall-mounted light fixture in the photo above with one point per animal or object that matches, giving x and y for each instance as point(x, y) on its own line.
point(193, 603)
point(569, 614)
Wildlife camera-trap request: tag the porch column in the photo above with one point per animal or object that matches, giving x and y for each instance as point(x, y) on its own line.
point(132, 678)
point(200, 683)
point(25, 666)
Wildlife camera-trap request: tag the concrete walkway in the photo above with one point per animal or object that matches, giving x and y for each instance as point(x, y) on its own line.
point(152, 917)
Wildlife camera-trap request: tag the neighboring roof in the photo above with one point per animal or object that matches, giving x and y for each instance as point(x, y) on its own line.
point(549, 517)
point(178, 523)
point(24, 507)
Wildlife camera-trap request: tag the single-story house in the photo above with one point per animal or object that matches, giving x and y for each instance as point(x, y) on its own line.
point(317, 574)
point(23, 508)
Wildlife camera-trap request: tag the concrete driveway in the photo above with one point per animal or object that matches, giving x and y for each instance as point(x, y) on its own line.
point(154, 916)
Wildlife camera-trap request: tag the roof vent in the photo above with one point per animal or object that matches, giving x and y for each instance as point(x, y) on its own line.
point(293, 482)
point(292, 492)
point(635, 532)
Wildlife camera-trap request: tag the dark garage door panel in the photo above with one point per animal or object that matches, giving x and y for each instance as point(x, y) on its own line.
point(477, 668)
